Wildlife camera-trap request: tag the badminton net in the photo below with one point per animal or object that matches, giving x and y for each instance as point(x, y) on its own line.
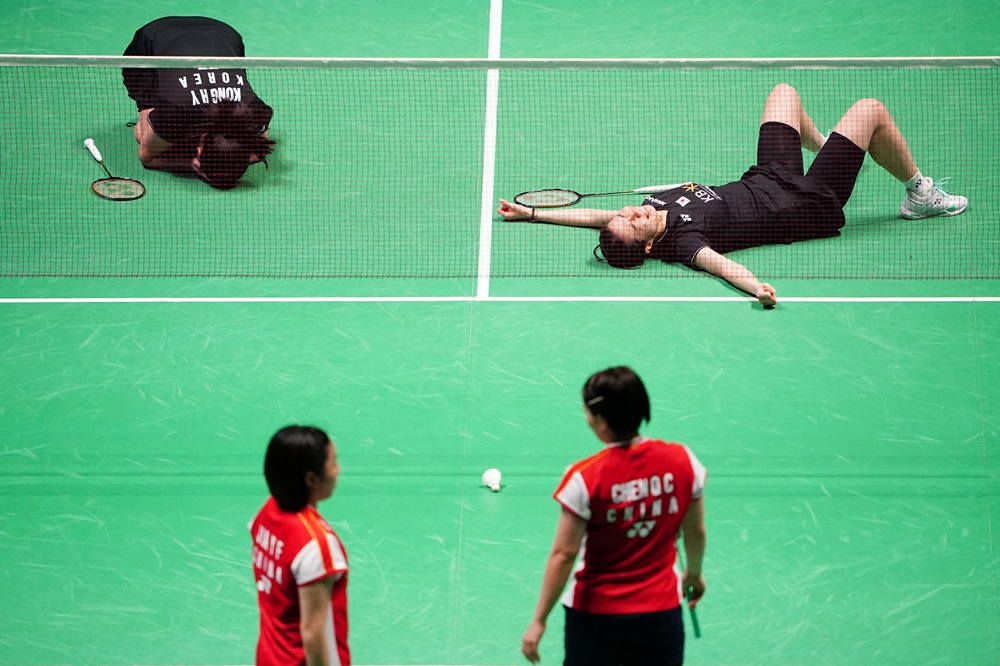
point(379, 166)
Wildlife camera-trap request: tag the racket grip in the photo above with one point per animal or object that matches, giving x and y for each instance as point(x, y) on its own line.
point(694, 623)
point(694, 614)
point(89, 143)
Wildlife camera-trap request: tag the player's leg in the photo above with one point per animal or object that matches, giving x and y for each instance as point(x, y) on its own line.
point(784, 105)
point(779, 142)
point(870, 126)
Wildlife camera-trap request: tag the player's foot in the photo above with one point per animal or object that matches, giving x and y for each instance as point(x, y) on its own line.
point(936, 201)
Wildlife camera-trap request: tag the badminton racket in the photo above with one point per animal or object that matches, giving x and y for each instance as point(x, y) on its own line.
point(113, 188)
point(558, 198)
point(687, 591)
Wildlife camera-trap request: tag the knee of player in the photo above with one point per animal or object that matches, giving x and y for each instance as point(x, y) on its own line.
point(785, 88)
point(869, 107)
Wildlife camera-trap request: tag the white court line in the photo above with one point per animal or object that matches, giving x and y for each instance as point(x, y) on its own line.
point(501, 299)
point(489, 152)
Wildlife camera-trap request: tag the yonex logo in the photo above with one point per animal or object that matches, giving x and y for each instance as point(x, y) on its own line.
point(642, 528)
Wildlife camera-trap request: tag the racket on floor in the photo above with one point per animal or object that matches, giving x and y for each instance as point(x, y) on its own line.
point(113, 188)
point(558, 198)
point(687, 592)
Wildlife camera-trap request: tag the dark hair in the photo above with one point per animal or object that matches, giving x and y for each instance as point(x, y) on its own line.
point(619, 253)
point(231, 133)
point(293, 451)
point(619, 397)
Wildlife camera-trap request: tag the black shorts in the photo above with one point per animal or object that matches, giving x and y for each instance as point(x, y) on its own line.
point(836, 165)
point(639, 639)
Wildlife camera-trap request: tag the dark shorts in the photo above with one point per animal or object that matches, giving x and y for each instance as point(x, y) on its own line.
point(836, 165)
point(640, 639)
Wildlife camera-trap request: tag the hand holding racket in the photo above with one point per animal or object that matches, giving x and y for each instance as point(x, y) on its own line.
point(112, 187)
point(692, 593)
point(558, 198)
point(694, 588)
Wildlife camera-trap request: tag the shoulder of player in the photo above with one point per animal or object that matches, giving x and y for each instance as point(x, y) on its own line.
point(590, 461)
point(300, 525)
point(604, 458)
point(661, 442)
point(667, 448)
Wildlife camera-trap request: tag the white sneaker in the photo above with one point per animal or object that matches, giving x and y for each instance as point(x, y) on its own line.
point(935, 202)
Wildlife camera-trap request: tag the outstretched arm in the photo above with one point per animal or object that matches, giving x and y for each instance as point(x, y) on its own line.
point(592, 218)
point(735, 274)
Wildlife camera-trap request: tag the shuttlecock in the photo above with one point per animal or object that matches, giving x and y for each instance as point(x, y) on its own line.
point(491, 479)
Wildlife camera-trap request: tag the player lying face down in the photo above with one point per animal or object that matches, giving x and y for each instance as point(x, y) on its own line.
point(219, 156)
point(206, 122)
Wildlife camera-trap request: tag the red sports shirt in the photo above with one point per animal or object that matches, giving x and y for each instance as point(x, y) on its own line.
point(633, 498)
point(291, 549)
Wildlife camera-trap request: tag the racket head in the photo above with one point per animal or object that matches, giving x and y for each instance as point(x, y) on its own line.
point(118, 189)
point(552, 198)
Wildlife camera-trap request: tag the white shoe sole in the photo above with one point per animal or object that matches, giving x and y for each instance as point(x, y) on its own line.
point(944, 213)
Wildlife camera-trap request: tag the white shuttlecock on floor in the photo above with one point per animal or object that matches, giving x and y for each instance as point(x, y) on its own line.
point(491, 479)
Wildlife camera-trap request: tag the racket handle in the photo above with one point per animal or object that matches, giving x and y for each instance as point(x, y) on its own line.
point(694, 623)
point(657, 188)
point(89, 143)
point(694, 614)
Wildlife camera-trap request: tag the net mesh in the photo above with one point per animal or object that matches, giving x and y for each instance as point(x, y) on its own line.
point(378, 171)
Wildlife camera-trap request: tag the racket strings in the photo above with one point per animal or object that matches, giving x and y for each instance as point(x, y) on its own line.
point(547, 198)
point(118, 189)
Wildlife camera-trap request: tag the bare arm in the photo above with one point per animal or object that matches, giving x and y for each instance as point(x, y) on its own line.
point(151, 145)
point(565, 547)
point(693, 529)
point(735, 274)
point(592, 218)
point(314, 604)
point(171, 160)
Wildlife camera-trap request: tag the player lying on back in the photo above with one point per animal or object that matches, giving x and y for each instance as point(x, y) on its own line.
point(775, 202)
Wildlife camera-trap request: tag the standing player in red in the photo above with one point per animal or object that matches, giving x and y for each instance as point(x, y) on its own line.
point(622, 509)
point(299, 563)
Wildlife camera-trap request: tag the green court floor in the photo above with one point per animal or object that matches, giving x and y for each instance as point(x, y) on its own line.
point(852, 435)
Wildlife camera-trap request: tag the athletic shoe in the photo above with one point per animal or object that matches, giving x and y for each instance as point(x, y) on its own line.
point(935, 202)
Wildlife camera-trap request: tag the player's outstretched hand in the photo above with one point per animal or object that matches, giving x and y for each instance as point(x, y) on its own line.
point(765, 294)
point(513, 211)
